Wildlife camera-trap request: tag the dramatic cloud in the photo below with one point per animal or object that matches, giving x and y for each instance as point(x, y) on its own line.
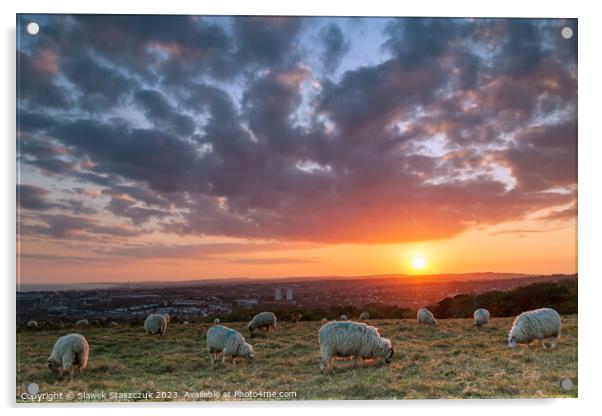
point(101, 86)
point(67, 226)
point(240, 127)
point(544, 156)
point(32, 197)
point(335, 46)
point(158, 110)
point(266, 41)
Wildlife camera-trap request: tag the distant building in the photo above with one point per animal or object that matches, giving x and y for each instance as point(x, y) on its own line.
point(281, 292)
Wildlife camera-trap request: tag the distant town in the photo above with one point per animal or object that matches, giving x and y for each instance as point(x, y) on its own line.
point(205, 300)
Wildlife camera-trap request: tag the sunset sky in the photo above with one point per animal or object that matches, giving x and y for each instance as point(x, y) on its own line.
point(176, 147)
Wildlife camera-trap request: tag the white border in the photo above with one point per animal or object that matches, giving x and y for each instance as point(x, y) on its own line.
point(590, 206)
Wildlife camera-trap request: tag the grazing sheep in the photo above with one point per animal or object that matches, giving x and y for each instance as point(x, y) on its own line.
point(537, 324)
point(425, 317)
point(481, 316)
point(263, 320)
point(113, 325)
point(229, 342)
point(364, 316)
point(324, 320)
point(343, 317)
point(185, 323)
point(82, 323)
point(156, 324)
point(352, 339)
point(296, 317)
point(32, 324)
point(70, 352)
point(216, 321)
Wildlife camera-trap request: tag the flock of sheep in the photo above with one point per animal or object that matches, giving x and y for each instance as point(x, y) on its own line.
point(337, 339)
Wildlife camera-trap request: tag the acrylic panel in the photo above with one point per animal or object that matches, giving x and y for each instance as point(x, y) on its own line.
point(217, 208)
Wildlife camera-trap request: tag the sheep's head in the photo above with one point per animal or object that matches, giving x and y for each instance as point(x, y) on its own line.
point(251, 327)
point(55, 367)
point(387, 349)
point(250, 354)
point(512, 341)
point(389, 356)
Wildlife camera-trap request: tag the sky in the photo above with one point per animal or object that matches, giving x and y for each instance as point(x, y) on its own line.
point(191, 147)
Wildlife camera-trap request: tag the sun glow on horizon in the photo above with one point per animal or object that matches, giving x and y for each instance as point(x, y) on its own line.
point(418, 262)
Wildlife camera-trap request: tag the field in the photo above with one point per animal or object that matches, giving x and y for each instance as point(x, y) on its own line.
point(453, 360)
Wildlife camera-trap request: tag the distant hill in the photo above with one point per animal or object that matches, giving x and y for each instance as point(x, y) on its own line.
point(399, 278)
point(560, 295)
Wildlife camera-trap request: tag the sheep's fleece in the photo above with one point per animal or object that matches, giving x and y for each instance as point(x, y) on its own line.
point(263, 320)
point(155, 324)
point(425, 316)
point(229, 342)
point(536, 324)
point(352, 339)
point(481, 316)
point(69, 352)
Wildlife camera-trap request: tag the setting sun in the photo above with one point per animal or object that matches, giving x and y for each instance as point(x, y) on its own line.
point(418, 262)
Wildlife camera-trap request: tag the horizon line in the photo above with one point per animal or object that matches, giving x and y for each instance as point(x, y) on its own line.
point(233, 278)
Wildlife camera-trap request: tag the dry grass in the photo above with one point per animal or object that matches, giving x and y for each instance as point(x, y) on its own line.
point(453, 360)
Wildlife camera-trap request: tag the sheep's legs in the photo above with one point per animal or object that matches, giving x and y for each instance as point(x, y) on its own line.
point(356, 361)
point(68, 371)
point(542, 342)
point(212, 359)
point(553, 345)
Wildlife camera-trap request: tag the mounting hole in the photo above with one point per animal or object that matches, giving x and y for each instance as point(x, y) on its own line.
point(566, 384)
point(33, 388)
point(33, 28)
point(566, 32)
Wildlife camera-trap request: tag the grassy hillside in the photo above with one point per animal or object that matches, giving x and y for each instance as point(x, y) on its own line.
point(561, 296)
point(453, 360)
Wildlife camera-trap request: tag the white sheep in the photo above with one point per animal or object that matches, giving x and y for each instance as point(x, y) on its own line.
point(324, 320)
point(343, 317)
point(425, 317)
point(537, 324)
point(82, 323)
point(69, 354)
point(228, 342)
point(263, 320)
point(481, 316)
point(32, 324)
point(156, 324)
point(216, 321)
point(364, 316)
point(185, 323)
point(113, 324)
point(352, 339)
